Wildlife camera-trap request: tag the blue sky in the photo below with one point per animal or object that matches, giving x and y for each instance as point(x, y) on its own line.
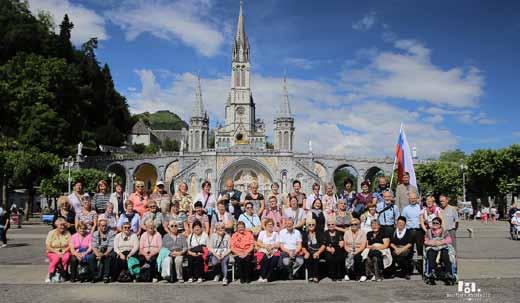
point(355, 69)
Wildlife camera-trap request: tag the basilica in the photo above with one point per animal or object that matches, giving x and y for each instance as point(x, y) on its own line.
point(240, 151)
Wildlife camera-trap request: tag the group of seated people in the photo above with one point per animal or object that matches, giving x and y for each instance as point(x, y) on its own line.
point(193, 241)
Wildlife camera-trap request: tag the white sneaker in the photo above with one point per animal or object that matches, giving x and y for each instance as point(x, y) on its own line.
point(3, 245)
point(261, 280)
point(373, 278)
point(47, 280)
point(199, 280)
point(224, 282)
point(154, 280)
point(346, 278)
point(180, 281)
point(216, 279)
point(190, 280)
point(363, 279)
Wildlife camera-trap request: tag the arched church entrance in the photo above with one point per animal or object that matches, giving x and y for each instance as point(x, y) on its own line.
point(246, 171)
point(147, 173)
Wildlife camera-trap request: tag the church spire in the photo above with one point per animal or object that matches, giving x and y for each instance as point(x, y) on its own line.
point(285, 110)
point(241, 45)
point(198, 107)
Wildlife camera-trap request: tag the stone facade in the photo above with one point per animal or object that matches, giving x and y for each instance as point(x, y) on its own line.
point(240, 146)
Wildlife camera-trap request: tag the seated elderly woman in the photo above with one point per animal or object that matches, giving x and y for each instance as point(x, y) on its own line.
point(440, 254)
point(242, 246)
point(377, 245)
point(267, 247)
point(334, 253)
point(58, 251)
point(126, 245)
point(355, 243)
point(154, 214)
point(81, 252)
point(86, 214)
point(515, 223)
point(219, 250)
point(149, 246)
point(65, 211)
point(129, 215)
point(401, 246)
point(197, 245)
point(175, 242)
point(291, 247)
point(313, 247)
point(103, 248)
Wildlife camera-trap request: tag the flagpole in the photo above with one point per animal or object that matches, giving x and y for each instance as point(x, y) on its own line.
point(395, 160)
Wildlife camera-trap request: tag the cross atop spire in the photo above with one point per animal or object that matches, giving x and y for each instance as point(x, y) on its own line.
point(198, 106)
point(241, 45)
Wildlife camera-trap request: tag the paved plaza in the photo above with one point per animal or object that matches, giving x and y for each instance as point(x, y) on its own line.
point(490, 260)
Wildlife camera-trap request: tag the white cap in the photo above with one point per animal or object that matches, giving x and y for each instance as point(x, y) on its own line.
point(159, 183)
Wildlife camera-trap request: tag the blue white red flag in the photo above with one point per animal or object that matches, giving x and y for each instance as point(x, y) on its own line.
point(404, 160)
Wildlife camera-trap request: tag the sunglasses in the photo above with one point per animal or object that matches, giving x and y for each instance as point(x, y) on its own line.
point(248, 207)
point(331, 224)
point(436, 223)
point(126, 227)
point(172, 226)
point(312, 224)
point(355, 224)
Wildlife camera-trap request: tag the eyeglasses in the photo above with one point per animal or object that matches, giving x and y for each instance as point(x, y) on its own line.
point(172, 226)
point(331, 224)
point(248, 207)
point(436, 223)
point(355, 224)
point(312, 224)
point(139, 186)
point(126, 227)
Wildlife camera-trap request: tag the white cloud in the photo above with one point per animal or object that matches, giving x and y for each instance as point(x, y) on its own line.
point(408, 73)
point(304, 63)
point(366, 23)
point(87, 23)
point(187, 21)
point(323, 113)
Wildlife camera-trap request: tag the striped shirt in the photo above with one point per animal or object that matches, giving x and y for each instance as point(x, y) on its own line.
point(100, 202)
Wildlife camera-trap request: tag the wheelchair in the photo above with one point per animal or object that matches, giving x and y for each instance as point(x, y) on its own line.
point(438, 274)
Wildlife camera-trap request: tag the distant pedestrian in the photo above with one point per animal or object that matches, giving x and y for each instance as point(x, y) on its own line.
point(4, 226)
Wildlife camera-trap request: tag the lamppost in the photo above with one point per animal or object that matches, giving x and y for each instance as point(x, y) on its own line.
point(463, 167)
point(111, 176)
point(69, 163)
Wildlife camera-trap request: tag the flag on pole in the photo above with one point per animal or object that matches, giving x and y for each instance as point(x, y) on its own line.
point(404, 160)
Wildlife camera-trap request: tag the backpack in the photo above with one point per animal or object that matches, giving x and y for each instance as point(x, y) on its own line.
point(134, 268)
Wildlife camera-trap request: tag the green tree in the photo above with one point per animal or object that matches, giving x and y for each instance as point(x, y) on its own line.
point(26, 169)
point(170, 145)
point(440, 177)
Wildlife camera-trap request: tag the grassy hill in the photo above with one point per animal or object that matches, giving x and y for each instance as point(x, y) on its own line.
point(162, 119)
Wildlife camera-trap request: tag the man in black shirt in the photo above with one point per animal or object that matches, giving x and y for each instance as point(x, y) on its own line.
point(401, 246)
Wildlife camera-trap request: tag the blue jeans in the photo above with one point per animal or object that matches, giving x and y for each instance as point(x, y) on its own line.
point(223, 265)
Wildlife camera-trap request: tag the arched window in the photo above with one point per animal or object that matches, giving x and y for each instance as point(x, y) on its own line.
point(286, 140)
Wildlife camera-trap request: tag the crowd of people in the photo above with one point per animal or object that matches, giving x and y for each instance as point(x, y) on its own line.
point(344, 235)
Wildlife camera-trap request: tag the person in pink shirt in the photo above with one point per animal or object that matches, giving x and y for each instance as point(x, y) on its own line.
point(430, 212)
point(80, 250)
point(139, 198)
point(149, 247)
point(242, 245)
point(439, 251)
